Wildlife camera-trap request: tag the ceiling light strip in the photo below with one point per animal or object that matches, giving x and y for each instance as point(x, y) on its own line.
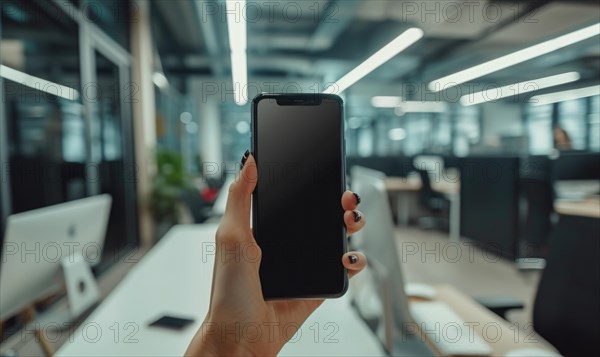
point(511, 90)
point(389, 51)
point(237, 27)
point(514, 58)
point(563, 96)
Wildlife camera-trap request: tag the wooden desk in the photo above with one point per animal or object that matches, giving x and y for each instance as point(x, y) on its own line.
point(401, 186)
point(500, 335)
point(586, 208)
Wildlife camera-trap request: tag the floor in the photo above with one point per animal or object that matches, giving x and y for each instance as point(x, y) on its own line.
point(429, 257)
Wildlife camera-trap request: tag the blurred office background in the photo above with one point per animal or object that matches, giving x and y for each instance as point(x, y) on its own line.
point(136, 99)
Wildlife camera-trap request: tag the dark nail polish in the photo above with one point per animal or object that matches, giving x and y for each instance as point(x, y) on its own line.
point(353, 259)
point(245, 158)
point(358, 200)
point(357, 216)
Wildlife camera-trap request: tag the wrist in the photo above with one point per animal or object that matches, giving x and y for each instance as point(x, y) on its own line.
point(209, 341)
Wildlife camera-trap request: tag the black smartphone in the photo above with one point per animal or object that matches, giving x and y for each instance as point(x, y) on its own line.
point(171, 322)
point(298, 143)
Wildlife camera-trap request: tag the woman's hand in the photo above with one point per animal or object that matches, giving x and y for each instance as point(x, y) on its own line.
point(239, 322)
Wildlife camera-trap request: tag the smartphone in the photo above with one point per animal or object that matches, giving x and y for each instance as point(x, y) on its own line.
point(297, 219)
point(172, 322)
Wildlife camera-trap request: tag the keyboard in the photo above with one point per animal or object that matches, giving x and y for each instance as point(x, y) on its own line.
point(446, 331)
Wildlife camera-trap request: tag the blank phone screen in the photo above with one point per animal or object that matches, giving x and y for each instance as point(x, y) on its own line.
point(298, 217)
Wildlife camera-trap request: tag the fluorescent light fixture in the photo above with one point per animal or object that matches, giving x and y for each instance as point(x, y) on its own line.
point(397, 134)
point(389, 51)
point(514, 58)
point(236, 24)
point(421, 107)
point(515, 89)
point(38, 83)
point(160, 80)
point(386, 102)
point(563, 96)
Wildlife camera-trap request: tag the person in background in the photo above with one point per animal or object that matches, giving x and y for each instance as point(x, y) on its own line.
point(562, 141)
point(236, 300)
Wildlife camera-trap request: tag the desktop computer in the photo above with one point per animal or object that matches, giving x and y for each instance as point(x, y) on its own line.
point(38, 244)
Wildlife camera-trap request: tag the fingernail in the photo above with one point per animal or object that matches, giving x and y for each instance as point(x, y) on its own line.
point(353, 259)
point(357, 198)
point(244, 159)
point(357, 216)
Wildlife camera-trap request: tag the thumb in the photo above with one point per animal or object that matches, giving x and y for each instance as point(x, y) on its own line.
point(237, 210)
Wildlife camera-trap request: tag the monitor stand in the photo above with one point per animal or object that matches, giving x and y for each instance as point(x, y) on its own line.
point(82, 294)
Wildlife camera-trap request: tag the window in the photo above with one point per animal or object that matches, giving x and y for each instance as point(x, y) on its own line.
point(111, 16)
point(235, 127)
point(46, 151)
point(467, 126)
point(571, 117)
point(594, 124)
point(539, 129)
point(54, 142)
point(418, 127)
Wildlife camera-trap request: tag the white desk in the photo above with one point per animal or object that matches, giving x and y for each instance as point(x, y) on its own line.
point(175, 278)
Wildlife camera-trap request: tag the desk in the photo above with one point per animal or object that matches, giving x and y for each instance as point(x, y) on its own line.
point(576, 189)
point(586, 208)
point(500, 335)
point(175, 278)
point(401, 186)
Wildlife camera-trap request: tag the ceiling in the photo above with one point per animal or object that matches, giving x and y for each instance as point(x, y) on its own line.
point(326, 38)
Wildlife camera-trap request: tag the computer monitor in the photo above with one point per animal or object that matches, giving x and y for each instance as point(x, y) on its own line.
point(37, 241)
point(377, 239)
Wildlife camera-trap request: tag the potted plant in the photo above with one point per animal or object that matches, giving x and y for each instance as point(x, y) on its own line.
point(168, 183)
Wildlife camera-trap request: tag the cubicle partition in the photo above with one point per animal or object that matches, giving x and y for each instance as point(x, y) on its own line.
point(577, 165)
point(536, 205)
point(489, 203)
point(507, 203)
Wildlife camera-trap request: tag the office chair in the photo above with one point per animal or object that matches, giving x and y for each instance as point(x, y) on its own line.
point(434, 202)
point(377, 241)
point(566, 310)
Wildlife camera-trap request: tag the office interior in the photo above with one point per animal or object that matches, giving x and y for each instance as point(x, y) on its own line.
point(472, 133)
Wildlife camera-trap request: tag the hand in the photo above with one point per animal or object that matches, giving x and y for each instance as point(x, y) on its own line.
point(239, 321)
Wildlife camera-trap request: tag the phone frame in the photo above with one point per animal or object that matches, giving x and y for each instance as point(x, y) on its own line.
point(302, 99)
